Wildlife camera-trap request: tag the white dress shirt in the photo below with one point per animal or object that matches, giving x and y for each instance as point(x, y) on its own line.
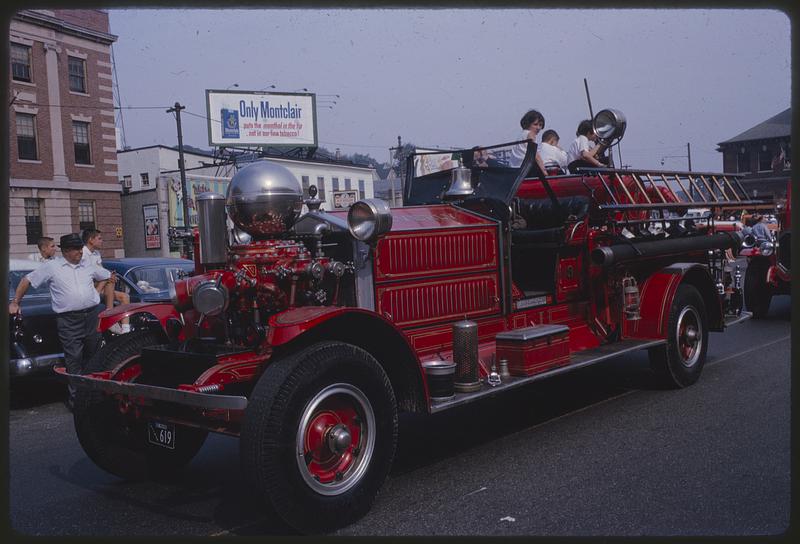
point(578, 145)
point(92, 257)
point(71, 285)
point(553, 156)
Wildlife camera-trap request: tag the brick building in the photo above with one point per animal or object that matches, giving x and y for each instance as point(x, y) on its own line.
point(62, 144)
point(762, 154)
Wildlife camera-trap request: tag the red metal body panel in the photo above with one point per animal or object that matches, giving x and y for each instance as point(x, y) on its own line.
point(412, 254)
point(424, 302)
point(160, 310)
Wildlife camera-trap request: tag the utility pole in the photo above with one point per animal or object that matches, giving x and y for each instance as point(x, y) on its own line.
point(181, 166)
point(397, 150)
point(689, 155)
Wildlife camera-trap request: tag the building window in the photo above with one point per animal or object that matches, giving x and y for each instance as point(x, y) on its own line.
point(127, 182)
point(765, 156)
point(26, 136)
point(33, 220)
point(321, 187)
point(86, 215)
point(20, 62)
point(80, 134)
point(77, 75)
point(305, 184)
point(361, 189)
point(742, 161)
point(145, 179)
point(335, 184)
point(347, 184)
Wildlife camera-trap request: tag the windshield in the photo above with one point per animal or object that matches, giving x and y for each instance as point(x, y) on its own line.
point(495, 170)
point(157, 278)
point(14, 277)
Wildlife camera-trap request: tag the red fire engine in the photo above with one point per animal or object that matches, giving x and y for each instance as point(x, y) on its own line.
point(769, 263)
point(305, 335)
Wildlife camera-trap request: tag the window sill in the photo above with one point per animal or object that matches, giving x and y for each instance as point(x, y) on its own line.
point(29, 161)
point(79, 93)
point(84, 165)
point(26, 83)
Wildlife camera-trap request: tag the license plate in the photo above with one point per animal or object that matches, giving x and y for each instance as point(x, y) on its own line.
point(161, 434)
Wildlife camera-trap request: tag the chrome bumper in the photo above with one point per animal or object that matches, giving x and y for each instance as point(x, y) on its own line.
point(25, 366)
point(154, 392)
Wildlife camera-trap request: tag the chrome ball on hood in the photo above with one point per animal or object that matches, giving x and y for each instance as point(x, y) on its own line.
point(264, 199)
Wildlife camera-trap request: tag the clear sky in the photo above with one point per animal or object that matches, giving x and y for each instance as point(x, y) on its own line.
point(459, 78)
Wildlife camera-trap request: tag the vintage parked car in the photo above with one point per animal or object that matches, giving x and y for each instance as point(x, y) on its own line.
point(35, 347)
point(769, 263)
point(34, 344)
point(148, 279)
point(304, 336)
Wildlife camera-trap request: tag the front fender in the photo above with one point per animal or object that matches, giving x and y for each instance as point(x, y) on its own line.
point(658, 291)
point(161, 311)
point(299, 327)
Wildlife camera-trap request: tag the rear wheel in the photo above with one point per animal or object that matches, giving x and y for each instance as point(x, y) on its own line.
point(118, 442)
point(680, 362)
point(319, 435)
point(757, 292)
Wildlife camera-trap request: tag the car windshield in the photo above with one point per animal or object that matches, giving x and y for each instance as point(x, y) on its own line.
point(14, 277)
point(157, 278)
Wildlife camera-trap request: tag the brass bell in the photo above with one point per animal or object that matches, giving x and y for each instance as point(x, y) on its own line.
point(460, 182)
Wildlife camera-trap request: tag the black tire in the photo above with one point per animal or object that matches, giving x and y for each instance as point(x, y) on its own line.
point(757, 292)
point(327, 391)
point(118, 443)
point(680, 362)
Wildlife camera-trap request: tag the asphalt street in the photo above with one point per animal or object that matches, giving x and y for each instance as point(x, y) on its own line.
point(599, 451)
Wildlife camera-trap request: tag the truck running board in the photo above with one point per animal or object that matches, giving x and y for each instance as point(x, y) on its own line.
point(577, 360)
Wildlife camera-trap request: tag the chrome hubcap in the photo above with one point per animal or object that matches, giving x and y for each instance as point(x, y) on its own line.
point(689, 336)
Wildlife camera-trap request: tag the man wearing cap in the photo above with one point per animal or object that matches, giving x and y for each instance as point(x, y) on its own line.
point(74, 300)
point(760, 229)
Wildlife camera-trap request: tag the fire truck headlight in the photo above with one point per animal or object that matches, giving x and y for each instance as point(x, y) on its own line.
point(209, 298)
point(766, 248)
point(609, 125)
point(368, 219)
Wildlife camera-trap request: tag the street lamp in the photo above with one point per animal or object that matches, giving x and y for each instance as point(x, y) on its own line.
point(267, 87)
point(229, 86)
point(301, 89)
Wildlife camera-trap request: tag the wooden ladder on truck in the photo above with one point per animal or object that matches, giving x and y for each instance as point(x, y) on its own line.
point(635, 190)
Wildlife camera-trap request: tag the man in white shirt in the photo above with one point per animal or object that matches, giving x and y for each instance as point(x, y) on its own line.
point(47, 250)
point(93, 240)
point(74, 300)
point(553, 157)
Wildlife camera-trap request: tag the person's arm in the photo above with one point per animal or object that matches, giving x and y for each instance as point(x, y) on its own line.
point(540, 162)
point(590, 155)
point(13, 306)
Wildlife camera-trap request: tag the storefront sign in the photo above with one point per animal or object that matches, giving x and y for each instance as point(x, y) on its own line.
point(344, 199)
point(152, 230)
point(249, 118)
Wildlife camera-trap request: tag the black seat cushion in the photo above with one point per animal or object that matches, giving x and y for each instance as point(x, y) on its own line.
point(540, 213)
point(539, 237)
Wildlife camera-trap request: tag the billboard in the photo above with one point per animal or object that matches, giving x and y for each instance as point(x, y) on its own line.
point(254, 118)
point(195, 185)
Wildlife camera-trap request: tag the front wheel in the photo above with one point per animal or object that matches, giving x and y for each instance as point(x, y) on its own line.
point(757, 292)
point(319, 435)
point(680, 362)
point(118, 442)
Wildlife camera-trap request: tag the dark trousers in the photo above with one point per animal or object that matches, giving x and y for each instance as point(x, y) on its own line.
point(79, 337)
